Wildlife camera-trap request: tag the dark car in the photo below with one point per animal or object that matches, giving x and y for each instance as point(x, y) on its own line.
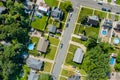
point(67, 24)
point(117, 12)
point(104, 9)
point(109, 10)
point(61, 45)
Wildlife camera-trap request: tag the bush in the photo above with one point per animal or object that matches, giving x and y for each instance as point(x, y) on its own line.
point(117, 67)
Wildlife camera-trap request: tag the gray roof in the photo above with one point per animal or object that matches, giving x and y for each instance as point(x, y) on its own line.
point(78, 56)
point(32, 76)
point(51, 28)
point(56, 13)
point(93, 20)
point(74, 78)
point(42, 45)
point(34, 63)
point(2, 9)
point(107, 23)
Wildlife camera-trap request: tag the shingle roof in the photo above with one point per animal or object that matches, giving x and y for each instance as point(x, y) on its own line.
point(93, 20)
point(43, 7)
point(78, 56)
point(42, 45)
point(32, 76)
point(51, 28)
point(74, 78)
point(34, 64)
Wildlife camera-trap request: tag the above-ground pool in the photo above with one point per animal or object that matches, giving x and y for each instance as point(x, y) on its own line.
point(112, 60)
point(104, 32)
point(31, 46)
point(116, 40)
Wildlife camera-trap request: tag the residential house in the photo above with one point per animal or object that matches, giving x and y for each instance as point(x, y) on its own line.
point(117, 27)
point(44, 8)
point(75, 77)
point(2, 9)
point(56, 13)
point(33, 75)
point(3, 0)
point(42, 45)
point(34, 63)
point(107, 23)
point(51, 28)
point(93, 20)
point(78, 56)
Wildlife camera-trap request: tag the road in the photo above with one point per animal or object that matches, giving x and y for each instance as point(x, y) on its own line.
point(93, 4)
point(68, 31)
point(63, 51)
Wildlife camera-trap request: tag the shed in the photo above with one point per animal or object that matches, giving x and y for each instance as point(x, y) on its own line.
point(34, 63)
point(78, 56)
point(42, 45)
point(51, 28)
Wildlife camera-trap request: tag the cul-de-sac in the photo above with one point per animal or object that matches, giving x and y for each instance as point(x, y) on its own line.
point(59, 39)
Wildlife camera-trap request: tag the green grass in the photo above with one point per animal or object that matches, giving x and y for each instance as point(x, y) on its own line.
point(51, 52)
point(109, 16)
point(67, 73)
point(62, 4)
point(39, 23)
point(1, 4)
point(35, 40)
point(79, 41)
point(62, 78)
point(78, 29)
point(116, 17)
point(53, 41)
point(85, 12)
point(26, 73)
point(118, 2)
point(44, 76)
point(82, 72)
point(100, 14)
point(72, 48)
point(47, 66)
point(51, 3)
point(109, 0)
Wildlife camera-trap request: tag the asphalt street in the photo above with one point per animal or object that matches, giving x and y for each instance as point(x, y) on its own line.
point(94, 4)
point(63, 51)
point(68, 31)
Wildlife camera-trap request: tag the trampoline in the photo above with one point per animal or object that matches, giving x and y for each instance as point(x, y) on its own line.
point(116, 40)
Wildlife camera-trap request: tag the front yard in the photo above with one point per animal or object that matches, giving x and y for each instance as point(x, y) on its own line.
point(118, 2)
point(39, 23)
point(52, 3)
point(47, 66)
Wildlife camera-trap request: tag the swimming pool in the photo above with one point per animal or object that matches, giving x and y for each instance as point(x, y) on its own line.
point(31, 46)
point(104, 32)
point(112, 60)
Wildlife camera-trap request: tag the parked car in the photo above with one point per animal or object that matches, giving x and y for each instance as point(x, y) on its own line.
point(117, 12)
point(61, 45)
point(67, 24)
point(100, 2)
point(109, 10)
point(104, 9)
point(71, 14)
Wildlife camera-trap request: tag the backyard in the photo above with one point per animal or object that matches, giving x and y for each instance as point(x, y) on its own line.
point(51, 3)
point(118, 2)
point(39, 23)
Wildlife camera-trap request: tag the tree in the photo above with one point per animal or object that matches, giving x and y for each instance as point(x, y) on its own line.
point(117, 67)
point(118, 58)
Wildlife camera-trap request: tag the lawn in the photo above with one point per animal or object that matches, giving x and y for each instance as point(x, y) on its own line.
point(101, 14)
point(78, 29)
point(109, 16)
point(26, 73)
point(47, 66)
point(62, 4)
point(118, 2)
point(85, 12)
point(1, 4)
point(116, 17)
point(62, 78)
point(67, 73)
point(51, 3)
point(51, 52)
point(72, 48)
point(109, 0)
point(44, 76)
point(53, 41)
point(35, 40)
point(39, 23)
point(79, 41)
